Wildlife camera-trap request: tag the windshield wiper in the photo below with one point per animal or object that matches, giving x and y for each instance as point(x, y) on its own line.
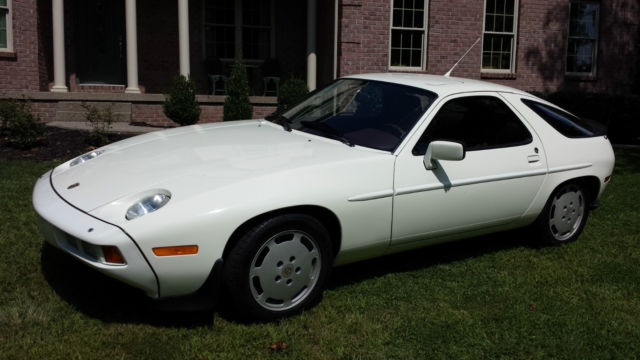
point(278, 118)
point(327, 130)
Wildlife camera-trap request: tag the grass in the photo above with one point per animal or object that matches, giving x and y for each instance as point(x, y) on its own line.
point(493, 297)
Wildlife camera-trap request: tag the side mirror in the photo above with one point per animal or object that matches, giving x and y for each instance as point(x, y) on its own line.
point(442, 150)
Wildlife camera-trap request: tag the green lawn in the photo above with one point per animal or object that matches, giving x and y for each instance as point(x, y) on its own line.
point(491, 297)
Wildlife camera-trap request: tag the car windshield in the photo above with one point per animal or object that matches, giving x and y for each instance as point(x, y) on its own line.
point(368, 113)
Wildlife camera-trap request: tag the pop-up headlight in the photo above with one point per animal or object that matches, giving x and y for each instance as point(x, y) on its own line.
point(86, 157)
point(148, 205)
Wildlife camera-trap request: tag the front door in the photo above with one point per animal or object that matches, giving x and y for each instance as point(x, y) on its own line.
point(99, 46)
point(495, 183)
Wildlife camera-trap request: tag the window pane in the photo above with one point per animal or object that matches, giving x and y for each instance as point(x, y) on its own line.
point(3, 28)
point(489, 23)
point(565, 123)
point(500, 15)
point(397, 18)
point(497, 51)
point(255, 43)
point(583, 20)
point(256, 12)
point(580, 55)
point(3, 3)
point(407, 45)
point(478, 122)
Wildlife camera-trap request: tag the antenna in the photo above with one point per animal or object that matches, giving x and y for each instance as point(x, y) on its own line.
point(457, 62)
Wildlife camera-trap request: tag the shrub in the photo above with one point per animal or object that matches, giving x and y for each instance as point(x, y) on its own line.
point(18, 126)
point(237, 105)
point(180, 104)
point(100, 120)
point(293, 91)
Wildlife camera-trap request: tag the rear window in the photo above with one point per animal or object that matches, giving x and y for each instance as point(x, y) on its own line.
point(567, 124)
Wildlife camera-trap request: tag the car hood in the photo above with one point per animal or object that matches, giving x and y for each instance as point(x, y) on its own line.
point(191, 160)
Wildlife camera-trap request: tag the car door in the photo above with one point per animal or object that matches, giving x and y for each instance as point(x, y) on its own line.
point(502, 170)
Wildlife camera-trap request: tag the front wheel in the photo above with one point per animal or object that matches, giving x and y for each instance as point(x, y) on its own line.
point(564, 216)
point(279, 266)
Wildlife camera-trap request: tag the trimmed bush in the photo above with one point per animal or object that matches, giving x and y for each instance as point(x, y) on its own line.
point(100, 120)
point(293, 91)
point(18, 126)
point(180, 104)
point(237, 105)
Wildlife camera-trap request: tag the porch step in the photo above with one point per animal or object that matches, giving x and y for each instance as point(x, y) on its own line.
point(73, 111)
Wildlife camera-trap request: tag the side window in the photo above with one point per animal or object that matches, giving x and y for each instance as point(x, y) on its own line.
point(565, 123)
point(477, 122)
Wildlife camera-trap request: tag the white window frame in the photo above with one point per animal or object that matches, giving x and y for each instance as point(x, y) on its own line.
point(9, 23)
point(514, 41)
point(423, 53)
point(594, 54)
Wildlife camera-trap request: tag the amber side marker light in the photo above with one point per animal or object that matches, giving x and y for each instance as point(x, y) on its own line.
point(176, 250)
point(112, 255)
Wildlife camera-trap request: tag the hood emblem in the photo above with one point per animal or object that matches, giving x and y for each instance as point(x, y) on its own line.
point(73, 186)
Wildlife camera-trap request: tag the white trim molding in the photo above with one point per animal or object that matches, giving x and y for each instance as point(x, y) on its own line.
point(401, 26)
point(499, 25)
point(8, 15)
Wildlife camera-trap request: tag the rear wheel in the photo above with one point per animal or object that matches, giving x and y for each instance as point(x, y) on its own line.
point(279, 267)
point(564, 216)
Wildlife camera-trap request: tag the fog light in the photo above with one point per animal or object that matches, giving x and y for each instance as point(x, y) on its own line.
point(176, 250)
point(112, 255)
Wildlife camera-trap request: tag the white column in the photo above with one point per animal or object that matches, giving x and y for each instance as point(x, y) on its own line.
point(311, 44)
point(132, 47)
point(183, 36)
point(59, 72)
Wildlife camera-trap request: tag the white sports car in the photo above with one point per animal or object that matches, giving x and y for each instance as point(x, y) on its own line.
point(370, 165)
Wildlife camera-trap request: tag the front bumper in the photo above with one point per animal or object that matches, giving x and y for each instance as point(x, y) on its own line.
point(76, 233)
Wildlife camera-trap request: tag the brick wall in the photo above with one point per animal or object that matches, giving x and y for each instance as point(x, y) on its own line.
point(19, 70)
point(454, 25)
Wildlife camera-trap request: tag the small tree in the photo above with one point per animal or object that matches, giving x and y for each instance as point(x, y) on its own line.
point(291, 93)
point(101, 121)
point(237, 105)
point(180, 104)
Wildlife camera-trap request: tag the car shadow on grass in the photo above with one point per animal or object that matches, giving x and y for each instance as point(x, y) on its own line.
point(101, 297)
point(429, 256)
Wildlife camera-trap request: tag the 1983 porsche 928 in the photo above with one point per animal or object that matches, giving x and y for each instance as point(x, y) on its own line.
point(370, 165)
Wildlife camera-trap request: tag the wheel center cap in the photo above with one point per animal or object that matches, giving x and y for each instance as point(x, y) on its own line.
point(287, 271)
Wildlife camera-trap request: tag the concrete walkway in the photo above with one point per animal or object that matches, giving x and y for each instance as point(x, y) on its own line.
point(116, 127)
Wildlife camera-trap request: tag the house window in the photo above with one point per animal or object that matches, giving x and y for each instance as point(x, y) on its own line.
point(583, 38)
point(499, 37)
point(408, 34)
point(6, 43)
point(234, 26)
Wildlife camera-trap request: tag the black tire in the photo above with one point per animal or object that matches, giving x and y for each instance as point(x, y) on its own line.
point(564, 216)
point(278, 267)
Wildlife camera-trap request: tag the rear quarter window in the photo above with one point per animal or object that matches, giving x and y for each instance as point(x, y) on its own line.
point(568, 125)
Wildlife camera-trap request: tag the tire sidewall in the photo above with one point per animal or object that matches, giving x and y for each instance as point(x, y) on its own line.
point(542, 223)
point(240, 258)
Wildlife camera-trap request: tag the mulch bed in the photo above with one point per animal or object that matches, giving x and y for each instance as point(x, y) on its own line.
point(58, 144)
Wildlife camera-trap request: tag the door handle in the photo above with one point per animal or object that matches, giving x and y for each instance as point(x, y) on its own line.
point(533, 158)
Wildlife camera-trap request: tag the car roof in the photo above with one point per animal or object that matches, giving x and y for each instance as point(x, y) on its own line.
point(441, 85)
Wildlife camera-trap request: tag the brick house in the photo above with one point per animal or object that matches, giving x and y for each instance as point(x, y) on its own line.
point(59, 53)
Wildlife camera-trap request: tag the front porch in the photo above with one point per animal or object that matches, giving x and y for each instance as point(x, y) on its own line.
point(128, 51)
